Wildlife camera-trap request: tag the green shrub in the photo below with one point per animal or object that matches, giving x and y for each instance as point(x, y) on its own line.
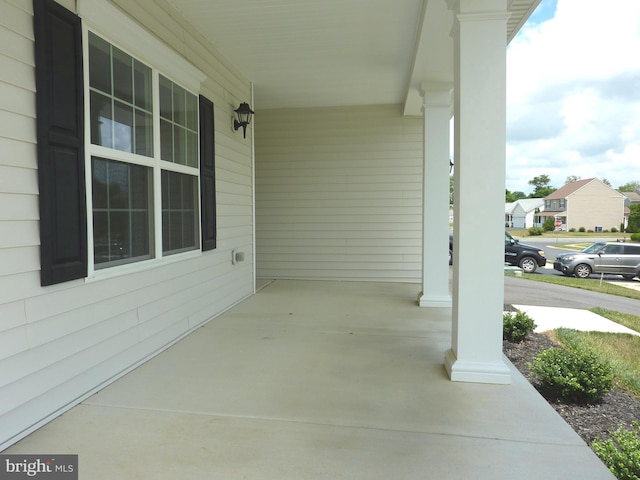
point(572, 229)
point(516, 326)
point(533, 231)
point(622, 454)
point(614, 230)
point(582, 229)
point(635, 237)
point(576, 374)
point(549, 225)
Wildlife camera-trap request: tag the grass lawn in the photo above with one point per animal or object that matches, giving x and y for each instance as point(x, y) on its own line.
point(621, 350)
point(578, 247)
point(586, 284)
point(524, 232)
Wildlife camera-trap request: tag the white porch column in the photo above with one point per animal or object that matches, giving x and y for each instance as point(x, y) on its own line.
point(480, 32)
point(435, 196)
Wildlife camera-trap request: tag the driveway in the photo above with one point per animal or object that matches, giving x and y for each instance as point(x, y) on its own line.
point(521, 291)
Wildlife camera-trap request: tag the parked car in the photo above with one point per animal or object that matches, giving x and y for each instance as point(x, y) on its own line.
point(527, 257)
point(601, 257)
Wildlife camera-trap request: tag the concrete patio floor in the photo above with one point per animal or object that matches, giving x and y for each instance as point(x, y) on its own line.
point(315, 380)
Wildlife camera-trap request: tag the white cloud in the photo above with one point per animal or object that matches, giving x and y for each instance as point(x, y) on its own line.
point(573, 97)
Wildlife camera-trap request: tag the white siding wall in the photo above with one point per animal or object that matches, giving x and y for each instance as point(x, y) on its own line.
point(339, 194)
point(58, 343)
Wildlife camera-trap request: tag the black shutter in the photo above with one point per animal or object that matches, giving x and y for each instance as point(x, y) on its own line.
point(60, 122)
point(207, 174)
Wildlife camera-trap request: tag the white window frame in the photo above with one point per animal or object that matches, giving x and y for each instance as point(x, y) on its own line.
point(106, 21)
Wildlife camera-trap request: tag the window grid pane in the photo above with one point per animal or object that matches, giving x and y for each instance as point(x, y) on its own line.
point(179, 212)
point(121, 113)
point(121, 212)
point(179, 124)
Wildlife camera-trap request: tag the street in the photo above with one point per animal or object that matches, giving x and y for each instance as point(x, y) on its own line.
point(520, 291)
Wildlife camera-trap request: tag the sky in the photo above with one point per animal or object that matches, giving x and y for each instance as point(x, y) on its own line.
point(573, 94)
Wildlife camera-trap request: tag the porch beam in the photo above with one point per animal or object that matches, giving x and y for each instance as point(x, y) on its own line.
point(435, 195)
point(480, 42)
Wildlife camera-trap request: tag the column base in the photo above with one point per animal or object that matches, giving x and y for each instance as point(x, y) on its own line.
point(476, 372)
point(434, 300)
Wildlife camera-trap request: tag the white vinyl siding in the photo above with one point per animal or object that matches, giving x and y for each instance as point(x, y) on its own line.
point(339, 194)
point(19, 234)
point(60, 343)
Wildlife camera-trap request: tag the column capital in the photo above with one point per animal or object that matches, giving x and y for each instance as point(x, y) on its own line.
point(477, 6)
point(478, 11)
point(436, 94)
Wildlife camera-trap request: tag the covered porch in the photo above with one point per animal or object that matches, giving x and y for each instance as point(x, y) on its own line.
point(316, 379)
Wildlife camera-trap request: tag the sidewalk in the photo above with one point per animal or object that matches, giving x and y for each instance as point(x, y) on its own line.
point(550, 318)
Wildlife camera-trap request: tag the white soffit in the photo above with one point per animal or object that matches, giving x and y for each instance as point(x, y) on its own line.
point(319, 53)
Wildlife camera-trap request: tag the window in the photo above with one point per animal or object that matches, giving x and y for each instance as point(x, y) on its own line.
point(613, 249)
point(121, 99)
point(121, 212)
point(124, 120)
point(126, 150)
point(632, 249)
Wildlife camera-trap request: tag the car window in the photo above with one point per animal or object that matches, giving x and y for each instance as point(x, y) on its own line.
point(613, 249)
point(595, 248)
point(632, 249)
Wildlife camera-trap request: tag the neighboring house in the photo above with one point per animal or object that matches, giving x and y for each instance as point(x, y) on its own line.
point(589, 204)
point(631, 198)
point(524, 213)
point(133, 210)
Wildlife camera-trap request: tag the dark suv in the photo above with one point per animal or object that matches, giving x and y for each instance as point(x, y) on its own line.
point(526, 257)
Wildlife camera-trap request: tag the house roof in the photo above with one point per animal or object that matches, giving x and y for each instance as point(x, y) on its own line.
point(568, 189)
point(633, 196)
point(530, 204)
point(525, 204)
point(308, 53)
point(553, 213)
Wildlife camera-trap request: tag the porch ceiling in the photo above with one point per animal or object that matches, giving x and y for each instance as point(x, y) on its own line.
point(306, 53)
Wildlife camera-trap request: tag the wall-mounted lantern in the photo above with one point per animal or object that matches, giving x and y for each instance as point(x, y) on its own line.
point(243, 112)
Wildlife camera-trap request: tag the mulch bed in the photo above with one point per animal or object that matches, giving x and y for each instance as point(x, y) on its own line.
point(589, 421)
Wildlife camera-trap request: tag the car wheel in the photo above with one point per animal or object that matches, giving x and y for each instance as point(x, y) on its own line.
point(450, 257)
point(582, 271)
point(628, 277)
point(528, 265)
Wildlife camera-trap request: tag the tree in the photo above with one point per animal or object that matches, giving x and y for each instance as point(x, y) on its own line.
point(451, 182)
point(634, 218)
point(571, 179)
point(541, 187)
point(508, 196)
point(629, 187)
point(606, 182)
